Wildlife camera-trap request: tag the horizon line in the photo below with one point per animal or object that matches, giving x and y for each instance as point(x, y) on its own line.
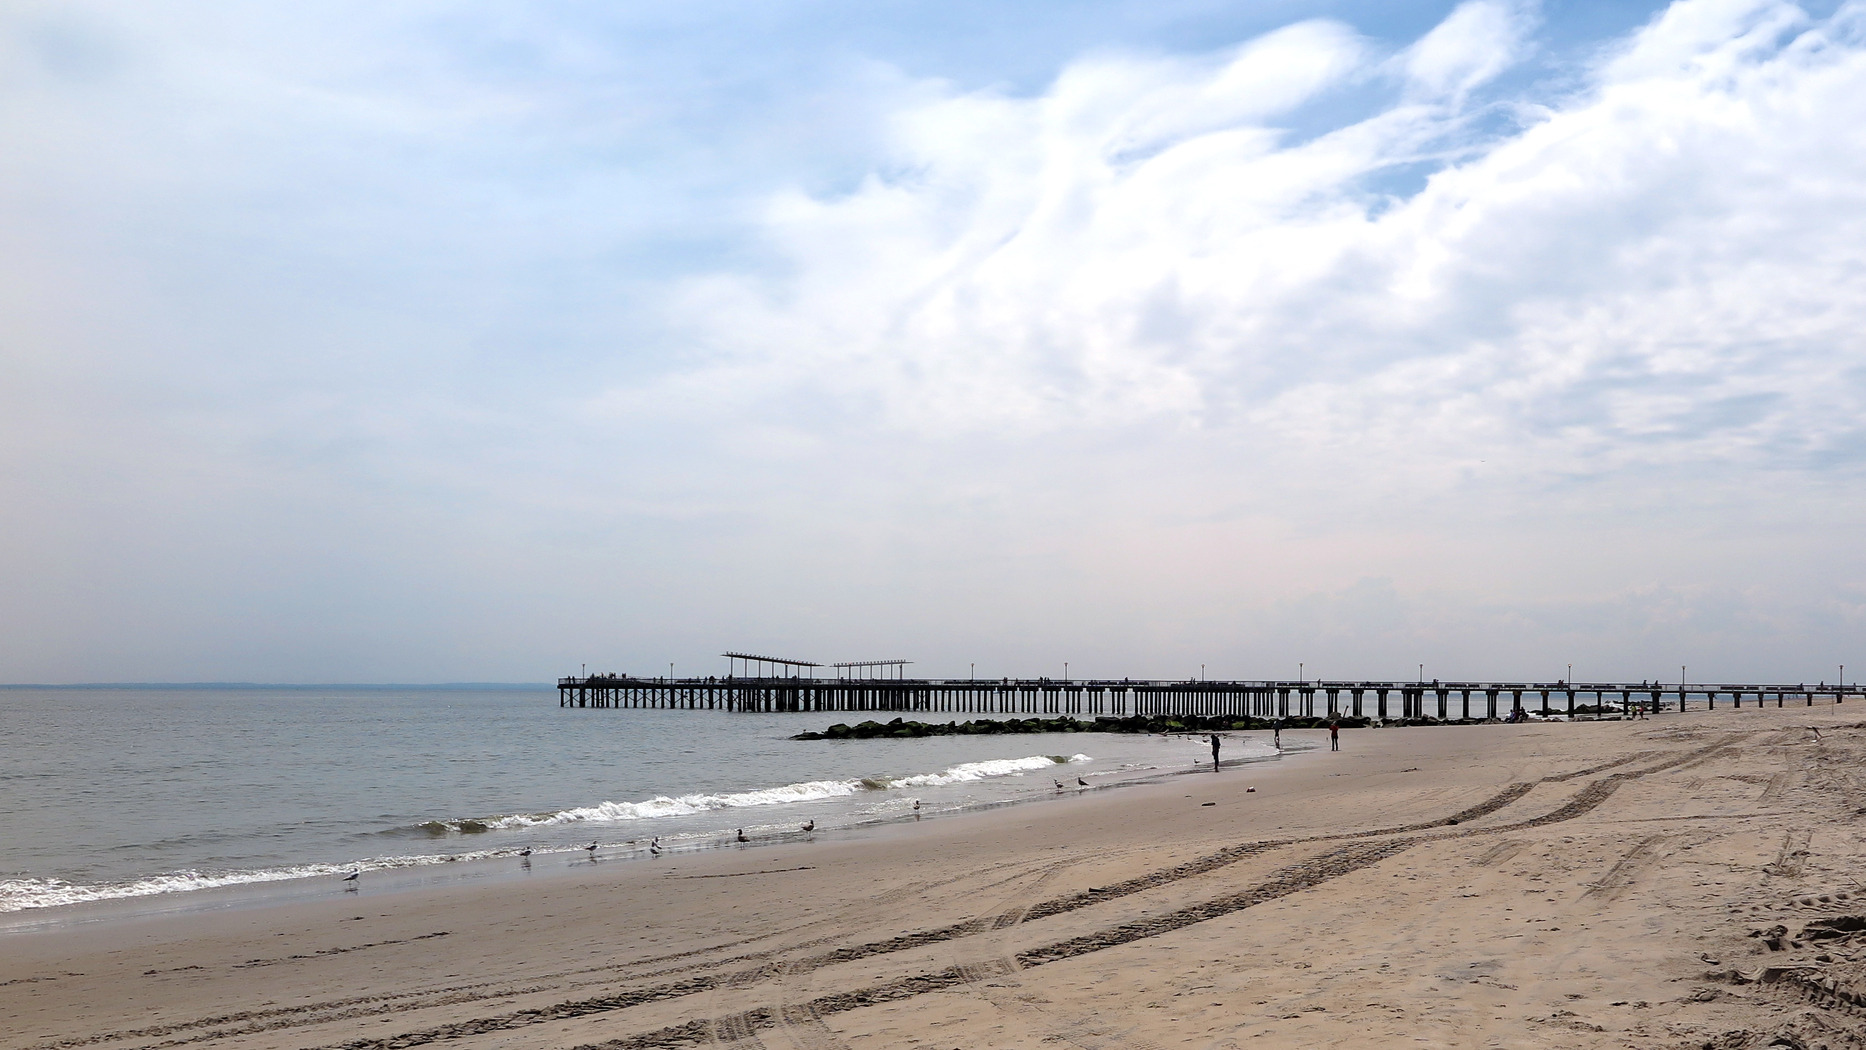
point(278, 685)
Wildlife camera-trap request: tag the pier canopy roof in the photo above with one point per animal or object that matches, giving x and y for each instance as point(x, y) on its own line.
point(770, 660)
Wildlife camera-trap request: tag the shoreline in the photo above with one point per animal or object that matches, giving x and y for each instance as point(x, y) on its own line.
point(506, 865)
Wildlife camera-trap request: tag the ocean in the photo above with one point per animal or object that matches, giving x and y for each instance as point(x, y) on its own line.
point(125, 792)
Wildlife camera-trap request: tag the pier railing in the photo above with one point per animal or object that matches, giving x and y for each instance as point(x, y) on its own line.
point(1444, 701)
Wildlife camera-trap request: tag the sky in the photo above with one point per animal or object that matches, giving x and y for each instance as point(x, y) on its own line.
point(440, 342)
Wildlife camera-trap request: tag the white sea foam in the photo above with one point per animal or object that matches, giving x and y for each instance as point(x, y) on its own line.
point(685, 805)
point(809, 791)
point(23, 894)
point(998, 767)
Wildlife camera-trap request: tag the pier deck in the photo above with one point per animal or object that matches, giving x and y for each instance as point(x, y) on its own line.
point(1042, 696)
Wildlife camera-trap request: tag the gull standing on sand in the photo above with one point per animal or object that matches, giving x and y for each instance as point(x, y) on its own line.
point(810, 826)
point(591, 849)
point(1081, 783)
point(352, 876)
point(916, 805)
point(742, 837)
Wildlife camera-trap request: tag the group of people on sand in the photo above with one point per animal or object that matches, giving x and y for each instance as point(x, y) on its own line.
point(1276, 730)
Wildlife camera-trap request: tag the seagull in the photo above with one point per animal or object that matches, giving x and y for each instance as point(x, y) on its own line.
point(1081, 783)
point(1059, 784)
point(811, 826)
point(742, 837)
point(352, 876)
point(591, 848)
point(654, 848)
point(916, 805)
point(526, 852)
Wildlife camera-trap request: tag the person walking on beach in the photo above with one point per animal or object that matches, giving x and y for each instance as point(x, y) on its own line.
point(1277, 728)
point(1334, 735)
point(1214, 752)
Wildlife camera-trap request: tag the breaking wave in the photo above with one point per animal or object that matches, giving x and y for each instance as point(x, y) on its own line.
point(808, 791)
point(27, 893)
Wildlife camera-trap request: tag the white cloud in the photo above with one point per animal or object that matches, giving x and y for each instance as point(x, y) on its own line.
point(1660, 267)
point(1478, 41)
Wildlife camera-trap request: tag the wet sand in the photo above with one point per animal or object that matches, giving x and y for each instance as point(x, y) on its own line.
point(1579, 885)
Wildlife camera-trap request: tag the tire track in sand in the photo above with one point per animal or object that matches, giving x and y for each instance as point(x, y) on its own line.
point(805, 1027)
point(758, 1019)
point(992, 970)
point(1295, 878)
point(1330, 865)
point(252, 1022)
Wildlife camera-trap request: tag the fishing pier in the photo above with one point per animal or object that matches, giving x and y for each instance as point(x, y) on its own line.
point(1440, 701)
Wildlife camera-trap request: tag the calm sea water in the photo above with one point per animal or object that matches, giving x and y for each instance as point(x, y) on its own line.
point(116, 793)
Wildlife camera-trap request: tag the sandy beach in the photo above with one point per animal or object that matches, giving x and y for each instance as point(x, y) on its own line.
point(1610, 884)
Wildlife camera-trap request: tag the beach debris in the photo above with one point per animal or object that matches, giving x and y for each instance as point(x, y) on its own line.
point(1776, 937)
